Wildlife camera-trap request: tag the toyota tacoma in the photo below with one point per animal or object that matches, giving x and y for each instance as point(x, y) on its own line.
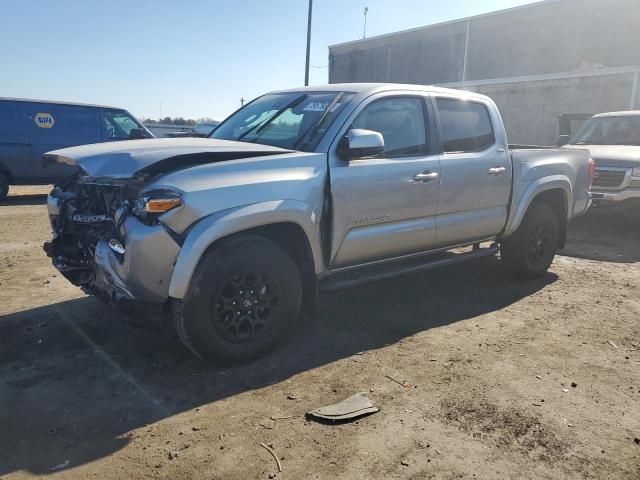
point(306, 190)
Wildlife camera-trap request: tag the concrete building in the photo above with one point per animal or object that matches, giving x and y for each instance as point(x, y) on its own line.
point(546, 64)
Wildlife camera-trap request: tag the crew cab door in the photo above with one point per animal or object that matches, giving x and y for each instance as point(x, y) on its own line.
point(476, 172)
point(384, 206)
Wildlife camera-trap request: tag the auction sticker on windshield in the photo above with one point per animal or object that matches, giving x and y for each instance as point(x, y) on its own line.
point(316, 107)
point(44, 120)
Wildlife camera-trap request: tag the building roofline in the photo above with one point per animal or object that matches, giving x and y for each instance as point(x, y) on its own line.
point(58, 102)
point(596, 72)
point(448, 22)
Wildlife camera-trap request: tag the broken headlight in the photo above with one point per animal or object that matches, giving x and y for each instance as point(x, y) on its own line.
point(153, 204)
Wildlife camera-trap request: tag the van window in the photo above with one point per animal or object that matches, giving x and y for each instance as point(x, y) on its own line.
point(465, 126)
point(400, 120)
point(118, 125)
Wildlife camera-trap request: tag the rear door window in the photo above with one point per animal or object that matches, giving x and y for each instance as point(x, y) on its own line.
point(465, 126)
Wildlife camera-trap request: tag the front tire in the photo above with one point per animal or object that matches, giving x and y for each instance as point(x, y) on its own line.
point(4, 186)
point(530, 251)
point(243, 299)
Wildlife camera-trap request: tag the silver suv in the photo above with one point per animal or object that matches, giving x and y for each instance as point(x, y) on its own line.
point(304, 190)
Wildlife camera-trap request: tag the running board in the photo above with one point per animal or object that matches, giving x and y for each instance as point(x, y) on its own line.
point(360, 276)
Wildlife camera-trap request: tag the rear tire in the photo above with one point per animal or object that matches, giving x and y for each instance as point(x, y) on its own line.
point(243, 299)
point(530, 251)
point(4, 186)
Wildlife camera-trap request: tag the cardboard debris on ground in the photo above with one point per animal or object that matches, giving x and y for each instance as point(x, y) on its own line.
point(351, 408)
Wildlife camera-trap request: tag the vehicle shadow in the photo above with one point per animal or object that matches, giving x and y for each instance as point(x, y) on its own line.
point(29, 199)
point(77, 377)
point(606, 233)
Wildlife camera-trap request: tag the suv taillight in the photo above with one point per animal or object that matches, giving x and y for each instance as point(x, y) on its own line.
point(592, 172)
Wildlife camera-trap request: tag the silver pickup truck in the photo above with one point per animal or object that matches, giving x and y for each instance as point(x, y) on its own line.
point(305, 190)
point(613, 139)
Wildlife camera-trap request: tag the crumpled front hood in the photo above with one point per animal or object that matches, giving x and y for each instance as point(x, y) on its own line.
point(625, 156)
point(126, 158)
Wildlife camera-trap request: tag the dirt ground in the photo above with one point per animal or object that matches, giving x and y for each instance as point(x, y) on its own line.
point(506, 379)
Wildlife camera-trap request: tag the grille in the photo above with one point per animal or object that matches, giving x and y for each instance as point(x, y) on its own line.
point(608, 178)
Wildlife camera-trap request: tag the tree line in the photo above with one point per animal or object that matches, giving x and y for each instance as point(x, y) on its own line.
point(171, 121)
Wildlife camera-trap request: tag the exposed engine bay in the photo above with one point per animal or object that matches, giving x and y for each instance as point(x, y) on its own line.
point(88, 210)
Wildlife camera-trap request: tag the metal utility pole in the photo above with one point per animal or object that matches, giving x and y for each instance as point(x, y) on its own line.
point(306, 70)
point(364, 33)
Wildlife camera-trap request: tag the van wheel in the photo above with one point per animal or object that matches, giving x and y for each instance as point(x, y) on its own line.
point(4, 186)
point(531, 249)
point(243, 299)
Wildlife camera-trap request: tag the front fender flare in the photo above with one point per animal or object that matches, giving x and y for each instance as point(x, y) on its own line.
point(534, 189)
point(221, 224)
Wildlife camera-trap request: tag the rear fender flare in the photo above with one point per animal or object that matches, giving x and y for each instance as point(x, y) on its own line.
point(221, 224)
point(531, 192)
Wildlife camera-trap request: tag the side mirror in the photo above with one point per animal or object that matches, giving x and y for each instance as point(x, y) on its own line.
point(563, 140)
point(360, 143)
point(136, 134)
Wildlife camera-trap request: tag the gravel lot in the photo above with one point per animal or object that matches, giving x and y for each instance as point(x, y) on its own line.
point(508, 379)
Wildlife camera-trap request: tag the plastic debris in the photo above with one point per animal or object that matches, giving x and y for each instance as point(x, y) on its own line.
point(351, 408)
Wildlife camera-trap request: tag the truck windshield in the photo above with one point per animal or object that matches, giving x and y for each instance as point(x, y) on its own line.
point(623, 130)
point(288, 120)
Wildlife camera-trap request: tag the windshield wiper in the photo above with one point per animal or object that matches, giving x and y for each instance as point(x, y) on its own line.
point(312, 131)
point(258, 127)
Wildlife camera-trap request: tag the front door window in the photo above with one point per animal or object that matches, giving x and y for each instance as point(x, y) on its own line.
point(401, 123)
point(118, 125)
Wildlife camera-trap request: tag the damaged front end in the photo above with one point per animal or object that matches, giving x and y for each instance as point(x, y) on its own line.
point(114, 221)
point(108, 240)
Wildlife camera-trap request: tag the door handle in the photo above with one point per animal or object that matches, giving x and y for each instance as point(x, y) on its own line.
point(495, 171)
point(426, 176)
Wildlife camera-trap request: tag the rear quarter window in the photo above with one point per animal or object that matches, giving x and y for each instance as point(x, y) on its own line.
point(465, 126)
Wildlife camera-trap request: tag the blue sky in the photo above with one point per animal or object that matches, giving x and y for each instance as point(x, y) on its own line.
point(190, 58)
